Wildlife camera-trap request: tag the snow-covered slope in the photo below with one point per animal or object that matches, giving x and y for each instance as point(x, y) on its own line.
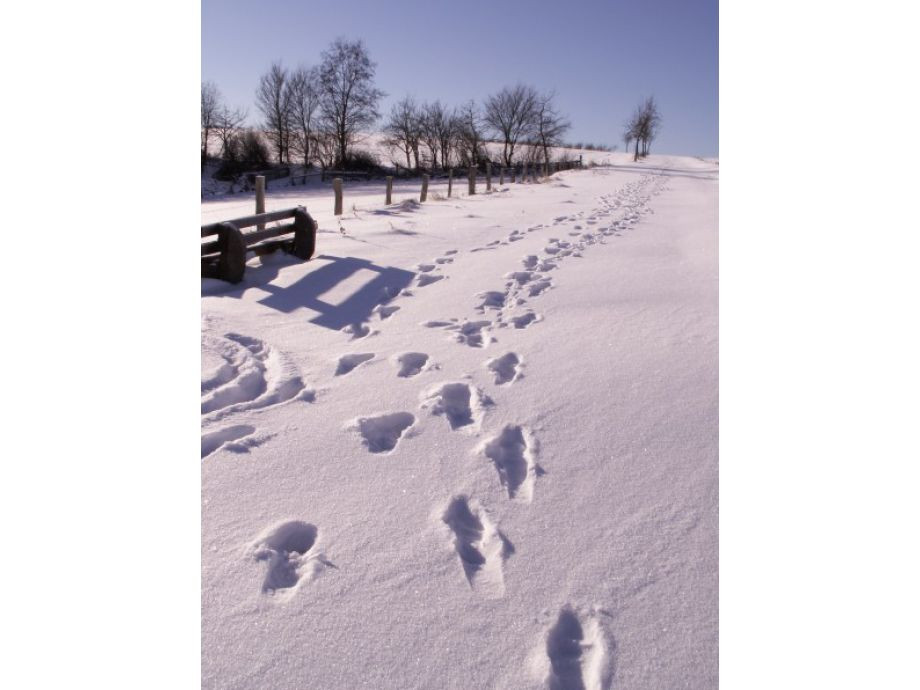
point(472, 444)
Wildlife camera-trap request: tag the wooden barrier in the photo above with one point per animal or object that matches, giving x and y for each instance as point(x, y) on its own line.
point(450, 182)
point(225, 258)
point(472, 183)
point(488, 176)
point(337, 188)
point(501, 176)
point(424, 195)
point(389, 190)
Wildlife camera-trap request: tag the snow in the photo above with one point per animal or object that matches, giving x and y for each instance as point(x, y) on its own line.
point(472, 443)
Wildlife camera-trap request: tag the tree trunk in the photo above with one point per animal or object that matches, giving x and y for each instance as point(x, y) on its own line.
point(636, 157)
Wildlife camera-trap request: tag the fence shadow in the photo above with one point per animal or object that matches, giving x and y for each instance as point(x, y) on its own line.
point(354, 309)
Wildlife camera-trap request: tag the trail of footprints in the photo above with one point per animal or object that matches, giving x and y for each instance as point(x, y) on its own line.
point(247, 374)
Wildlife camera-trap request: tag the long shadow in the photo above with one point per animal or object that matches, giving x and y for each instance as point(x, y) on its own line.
point(356, 308)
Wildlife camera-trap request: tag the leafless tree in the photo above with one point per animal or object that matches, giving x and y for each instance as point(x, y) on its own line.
point(228, 123)
point(549, 125)
point(303, 87)
point(403, 129)
point(643, 126)
point(470, 145)
point(326, 148)
point(511, 114)
point(439, 132)
point(348, 97)
point(273, 99)
point(210, 110)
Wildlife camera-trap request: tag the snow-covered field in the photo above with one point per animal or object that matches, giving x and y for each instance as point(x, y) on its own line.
point(472, 443)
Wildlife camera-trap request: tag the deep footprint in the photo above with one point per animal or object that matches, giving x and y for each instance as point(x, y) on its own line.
point(411, 363)
point(481, 548)
point(462, 404)
point(287, 551)
point(505, 368)
point(577, 654)
point(512, 453)
point(347, 363)
point(381, 434)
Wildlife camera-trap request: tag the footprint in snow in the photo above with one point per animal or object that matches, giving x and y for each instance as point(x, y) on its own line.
point(461, 404)
point(411, 363)
point(382, 433)
point(290, 552)
point(480, 546)
point(578, 653)
point(506, 369)
point(347, 363)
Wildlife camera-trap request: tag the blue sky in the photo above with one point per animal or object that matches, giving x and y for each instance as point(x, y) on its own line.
point(600, 57)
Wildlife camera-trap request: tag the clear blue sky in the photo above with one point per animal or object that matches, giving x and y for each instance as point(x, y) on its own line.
point(600, 56)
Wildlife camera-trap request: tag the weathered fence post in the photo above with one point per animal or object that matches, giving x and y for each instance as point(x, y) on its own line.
point(260, 197)
point(337, 188)
point(513, 174)
point(472, 180)
point(424, 195)
point(501, 175)
point(450, 182)
point(488, 176)
point(389, 190)
point(524, 173)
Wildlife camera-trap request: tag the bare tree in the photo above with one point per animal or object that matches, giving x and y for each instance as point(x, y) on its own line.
point(439, 129)
point(511, 113)
point(348, 97)
point(643, 126)
point(227, 125)
point(273, 99)
point(303, 88)
point(403, 129)
point(549, 125)
point(470, 145)
point(210, 110)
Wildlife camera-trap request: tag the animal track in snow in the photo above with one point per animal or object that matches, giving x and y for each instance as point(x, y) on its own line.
point(243, 373)
point(381, 434)
point(512, 452)
point(462, 404)
point(411, 363)
point(524, 320)
point(481, 548)
point(347, 363)
point(577, 653)
point(507, 368)
point(290, 552)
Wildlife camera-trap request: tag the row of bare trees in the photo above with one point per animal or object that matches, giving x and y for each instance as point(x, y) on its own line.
point(308, 113)
point(439, 136)
point(642, 127)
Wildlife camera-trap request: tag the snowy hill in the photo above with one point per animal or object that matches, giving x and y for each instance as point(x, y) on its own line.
point(472, 443)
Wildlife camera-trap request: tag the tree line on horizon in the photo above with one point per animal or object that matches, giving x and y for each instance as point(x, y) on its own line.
point(317, 114)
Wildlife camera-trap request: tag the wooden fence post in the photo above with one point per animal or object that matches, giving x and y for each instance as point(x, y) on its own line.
point(488, 176)
point(389, 190)
point(472, 180)
point(337, 188)
point(260, 197)
point(424, 195)
point(524, 173)
point(513, 174)
point(450, 182)
point(501, 175)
